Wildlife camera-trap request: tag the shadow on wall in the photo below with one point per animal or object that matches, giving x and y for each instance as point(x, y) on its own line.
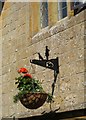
point(59, 116)
point(1, 6)
point(56, 116)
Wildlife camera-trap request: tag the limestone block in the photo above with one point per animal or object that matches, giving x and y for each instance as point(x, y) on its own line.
point(19, 5)
point(22, 11)
point(80, 66)
point(70, 100)
point(77, 82)
point(80, 17)
point(7, 5)
point(21, 21)
point(85, 28)
point(12, 26)
point(13, 8)
point(85, 53)
point(5, 13)
point(79, 29)
point(12, 34)
point(5, 30)
point(41, 35)
point(71, 56)
point(6, 61)
point(20, 30)
point(80, 54)
point(4, 78)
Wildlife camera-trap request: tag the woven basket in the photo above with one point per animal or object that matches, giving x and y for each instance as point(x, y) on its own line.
point(33, 100)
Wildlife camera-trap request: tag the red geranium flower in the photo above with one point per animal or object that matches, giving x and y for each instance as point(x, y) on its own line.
point(27, 75)
point(22, 70)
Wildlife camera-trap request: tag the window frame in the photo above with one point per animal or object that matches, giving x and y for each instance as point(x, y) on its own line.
point(61, 14)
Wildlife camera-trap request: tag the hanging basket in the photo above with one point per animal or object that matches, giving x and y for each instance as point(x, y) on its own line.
point(33, 100)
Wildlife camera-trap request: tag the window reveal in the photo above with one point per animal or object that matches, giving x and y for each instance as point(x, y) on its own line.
point(43, 14)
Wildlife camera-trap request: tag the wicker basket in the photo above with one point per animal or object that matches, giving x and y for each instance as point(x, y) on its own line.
point(33, 100)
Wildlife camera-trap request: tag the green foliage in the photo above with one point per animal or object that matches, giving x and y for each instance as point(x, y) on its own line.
point(25, 85)
point(49, 98)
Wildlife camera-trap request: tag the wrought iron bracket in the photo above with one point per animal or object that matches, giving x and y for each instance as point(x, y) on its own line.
point(52, 64)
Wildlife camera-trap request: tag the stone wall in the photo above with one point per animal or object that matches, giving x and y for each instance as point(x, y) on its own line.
point(0, 69)
point(66, 40)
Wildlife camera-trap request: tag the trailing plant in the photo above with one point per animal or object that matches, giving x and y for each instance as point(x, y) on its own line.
point(27, 84)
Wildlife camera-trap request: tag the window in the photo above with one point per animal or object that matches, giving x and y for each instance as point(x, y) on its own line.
point(62, 9)
point(1, 6)
point(76, 2)
point(78, 6)
point(44, 14)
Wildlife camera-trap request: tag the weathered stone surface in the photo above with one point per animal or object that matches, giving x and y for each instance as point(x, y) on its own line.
point(66, 40)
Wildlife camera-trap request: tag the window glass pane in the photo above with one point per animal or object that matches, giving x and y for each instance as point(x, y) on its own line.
point(62, 10)
point(64, 4)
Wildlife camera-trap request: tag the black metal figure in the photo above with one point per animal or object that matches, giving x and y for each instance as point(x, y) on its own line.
point(47, 53)
point(40, 57)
